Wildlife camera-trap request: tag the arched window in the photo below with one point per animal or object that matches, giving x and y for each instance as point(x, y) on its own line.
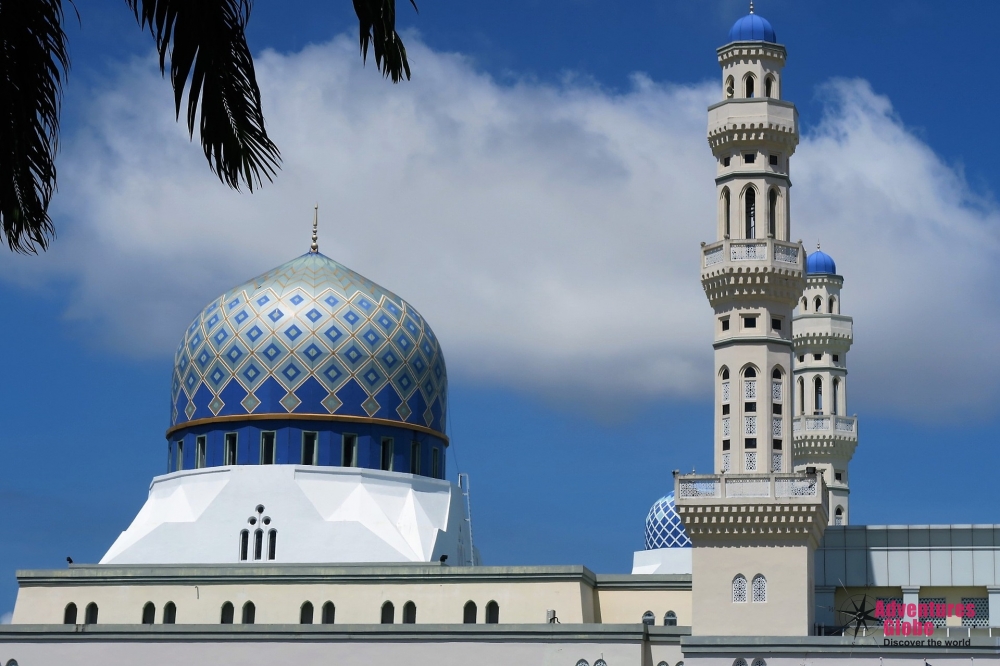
point(258, 543)
point(306, 613)
point(748, 86)
point(805, 305)
point(249, 612)
point(750, 213)
point(776, 374)
point(492, 613)
point(750, 372)
point(802, 396)
point(739, 589)
point(388, 613)
point(836, 395)
point(838, 516)
point(772, 212)
point(469, 613)
point(69, 615)
point(759, 662)
point(759, 589)
point(725, 373)
point(227, 614)
point(329, 612)
point(818, 395)
point(272, 543)
point(740, 662)
point(648, 618)
point(149, 613)
point(725, 211)
point(670, 619)
point(833, 305)
point(90, 614)
point(169, 613)
point(769, 90)
point(730, 88)
point(819, 304)
point(244, 544)
point(409, 613)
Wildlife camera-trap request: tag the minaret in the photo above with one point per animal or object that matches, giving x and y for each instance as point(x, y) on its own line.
point(752, 274)
point(754, 524)
point(824, 436)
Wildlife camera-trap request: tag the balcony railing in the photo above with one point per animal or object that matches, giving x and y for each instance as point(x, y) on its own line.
point(748, 486)
point(826, 423)
point(751, 250)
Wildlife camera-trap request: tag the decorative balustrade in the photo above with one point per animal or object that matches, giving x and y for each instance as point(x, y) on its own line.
point(748, 487)
point(700, 488)
point(825, 424)
point(796, 487)
point(788, 254)
point(713, 256)
point(748, 251)
point(775, 485)
point(751, 250)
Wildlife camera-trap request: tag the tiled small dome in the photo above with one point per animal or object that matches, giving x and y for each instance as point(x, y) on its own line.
point(663, 526)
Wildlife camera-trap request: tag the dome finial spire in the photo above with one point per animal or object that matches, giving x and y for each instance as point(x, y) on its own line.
point(314, 248)
point(751, 6)
point(817, 243)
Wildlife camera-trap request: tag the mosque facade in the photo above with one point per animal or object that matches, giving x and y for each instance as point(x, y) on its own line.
point(305, 514)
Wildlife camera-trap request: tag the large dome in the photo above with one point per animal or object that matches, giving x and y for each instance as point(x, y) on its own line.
point(310, 337)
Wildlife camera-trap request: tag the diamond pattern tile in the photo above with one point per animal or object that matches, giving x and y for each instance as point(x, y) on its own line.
point(663, 526)
point(311, 317)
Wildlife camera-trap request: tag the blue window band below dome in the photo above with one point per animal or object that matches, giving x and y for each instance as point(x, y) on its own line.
point(820, 262)
point(307, 442)
point(752, 28)
point(664, 528)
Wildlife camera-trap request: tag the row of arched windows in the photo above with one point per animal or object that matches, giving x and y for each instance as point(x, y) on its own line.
point(470, 613)
point(749, 195)
point(89, 613)
point(169, 613)
point(750, 86)
point(817, 396)
point(258, 544)
point(229, 611)
point(669, 618)
point(832, 306)
point(328, 614)
point(757, 590)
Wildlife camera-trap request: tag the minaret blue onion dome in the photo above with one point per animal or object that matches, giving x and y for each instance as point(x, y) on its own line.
point(752, 28)
point(663, 526)
point(309, 347)
point(820, 262)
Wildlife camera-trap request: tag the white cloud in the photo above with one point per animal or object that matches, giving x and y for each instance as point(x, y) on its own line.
point(550, 234)
point(7, 618)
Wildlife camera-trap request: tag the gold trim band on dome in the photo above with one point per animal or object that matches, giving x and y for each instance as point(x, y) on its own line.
point(308, 417)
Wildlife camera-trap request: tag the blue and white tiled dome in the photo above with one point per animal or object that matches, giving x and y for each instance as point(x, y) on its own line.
point(310, 337)
point(663, 526)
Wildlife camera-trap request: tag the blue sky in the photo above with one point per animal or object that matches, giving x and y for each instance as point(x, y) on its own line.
point(537, 192)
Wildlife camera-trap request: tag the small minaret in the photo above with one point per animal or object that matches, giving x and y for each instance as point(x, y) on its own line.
point(824, 436)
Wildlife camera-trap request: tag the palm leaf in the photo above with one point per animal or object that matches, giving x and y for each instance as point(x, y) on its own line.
point(209, 58)
point(33, 66)
point(377, 23)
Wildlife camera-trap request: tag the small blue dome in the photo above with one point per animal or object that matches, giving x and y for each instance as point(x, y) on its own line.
point(664, 528)
point(820, 262)
point(752, 28)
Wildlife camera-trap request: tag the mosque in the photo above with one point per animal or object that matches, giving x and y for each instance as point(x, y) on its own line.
point(306, 516)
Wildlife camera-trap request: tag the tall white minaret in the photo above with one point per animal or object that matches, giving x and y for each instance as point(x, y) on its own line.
point(824, 436)
point(753, 273)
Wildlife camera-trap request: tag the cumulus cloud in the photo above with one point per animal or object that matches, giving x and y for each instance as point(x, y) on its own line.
point(550, 234)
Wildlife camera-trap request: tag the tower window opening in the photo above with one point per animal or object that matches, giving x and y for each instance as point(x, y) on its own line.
point(149, 613)
point(776, 323)
point(759, 589)
point(776, 374)
point(169, 613)
point(69, 614)
point(725, 323)
point(725, 409)
point(838, 516)
point(258, 543)
point(329, 613)
point(750, 443)
point(385, 456)
point(469, 613)
point(388, 613)
point(739, 589)
point(776, 408)
point(349, 457)
point(772, 212)
point(310, 450)
point(725, 207)
point(749, 158)
point(230, 449)
point(267, 447)
point(818, 395)
point(249, 613)
point(670, 619)
point(725, 373)
point(227, 614)
point(802, 395)
point(415, 457)
point(492, 613)
point(748, 85)
point(772, 160)
point(436, 463)
point(749, 372)
point(244, 544)
point(750, 218)
point(817, 357)
point(409, 613)
point(306, 613)
point(199, 451)
point(776, 445)
point(802, 358)
point(749, 322)
point(90, 614)
point(726, 161)
point(833, 306)
point(730, 88)
point(179, 464)
point(836, 396)
point(819, 304)
point(805, 305)
point(838, 476)
point(272, 543)
point(749, 406)
point(836, 358)
point(725, 445)
point(648, 618)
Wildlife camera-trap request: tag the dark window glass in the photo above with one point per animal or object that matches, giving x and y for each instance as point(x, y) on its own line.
point(267, 448)
point(837, 476)
point(725, 324)
point(258, 543)
point(179, 465)
point(749, 406)
point(776, 374)
point(802, 358)
point(386, 454)
point(836, 358)
point(469, 613)
point(775, 323)
point(199, 451)
point(648, 618)
point(492, 613)
point(169, 613)
point(306, 613)
point(749, 86)
point(725, 161)
point(415, 458)
point(388, 613)
point(776, 407)
point(773, 160)
point(149, 613)
point(772, 212)
point(725, 373)
point(750, 158)
point(350, 448)
point(749, 372)
point(69, 615)
point(249, 612)
point(227, 614)
point(329, 613)
point(817, 357)
point(749, 322)
point(436, 463)
point(750, 212)
point(90, 615)
point(750, 443)
point(777, 445)
point(272, 543)
point(725, 409)
point(309, 447)
point(670, 619)
point(230, 454)
point(409, 613)
point(244, 545)
point(725, 445)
